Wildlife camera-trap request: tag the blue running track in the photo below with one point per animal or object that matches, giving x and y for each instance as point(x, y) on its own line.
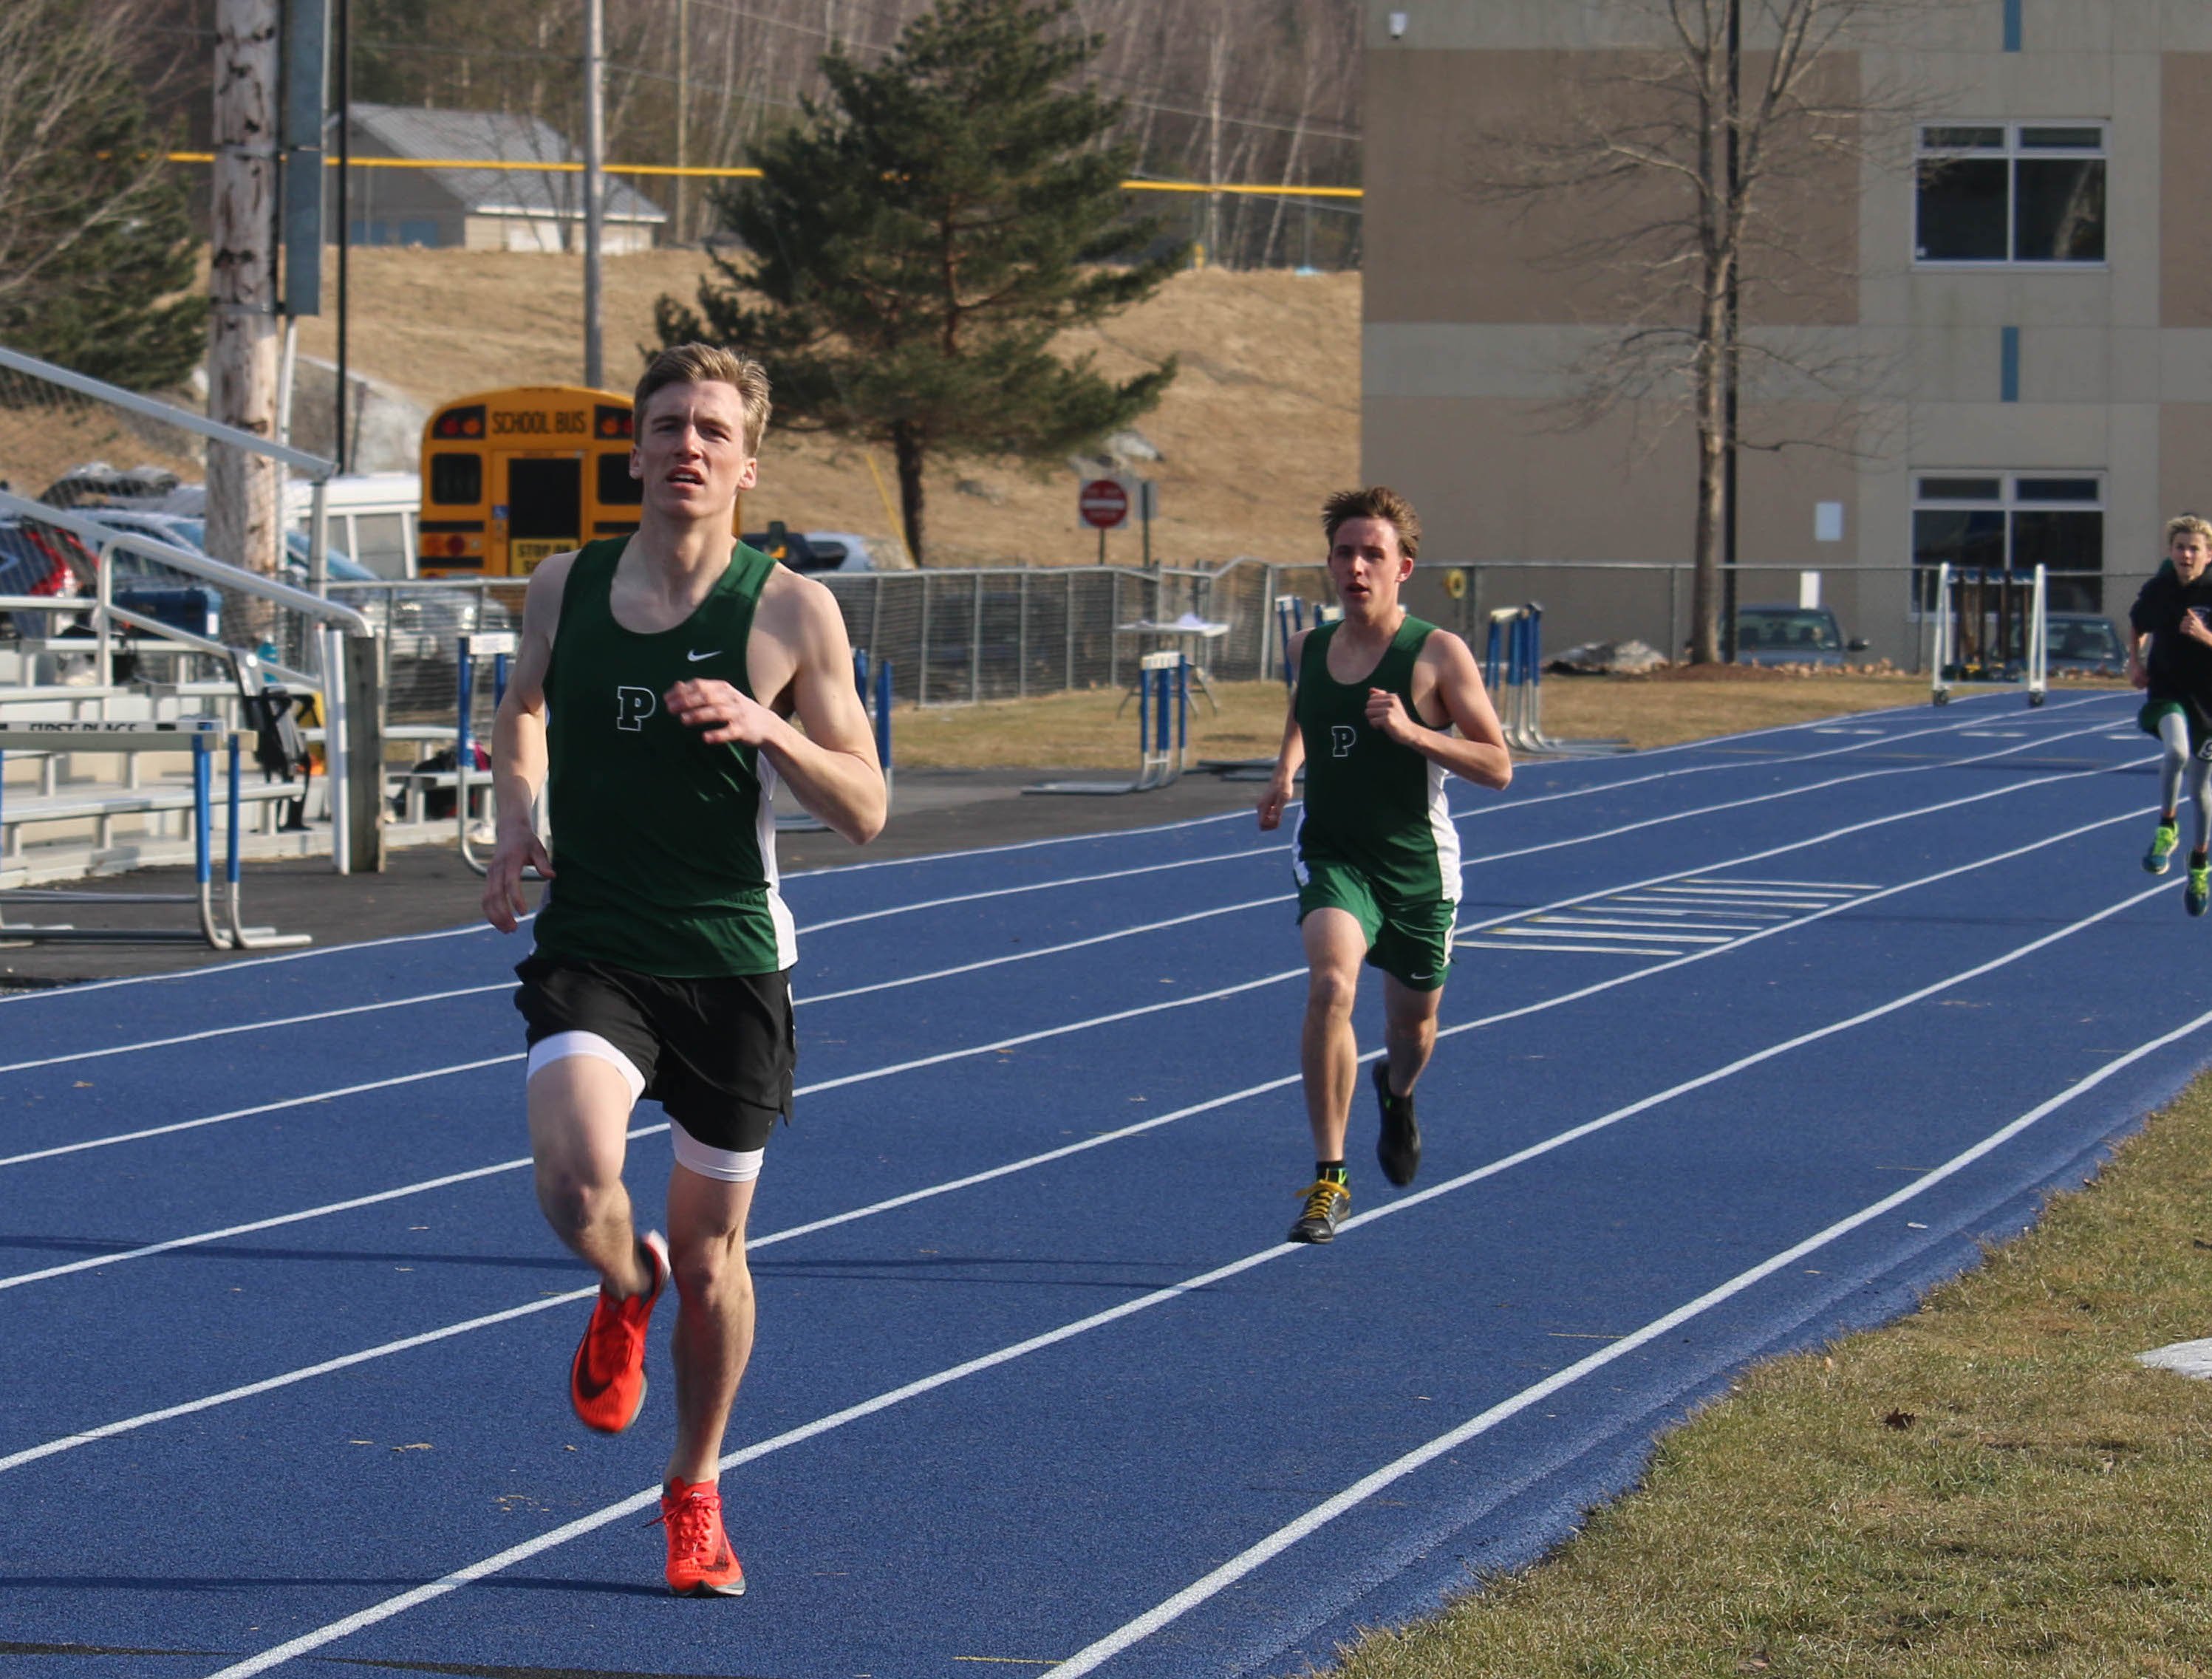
point(1750, 1042)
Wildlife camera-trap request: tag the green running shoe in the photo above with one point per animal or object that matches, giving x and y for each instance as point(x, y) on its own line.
point(2198, 893)
point(2163, 839)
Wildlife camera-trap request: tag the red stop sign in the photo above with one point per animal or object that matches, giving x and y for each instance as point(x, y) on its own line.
point(1103, 504)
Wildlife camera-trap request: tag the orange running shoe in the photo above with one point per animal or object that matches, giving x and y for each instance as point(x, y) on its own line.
point(700, 1563)
point(606, 1379)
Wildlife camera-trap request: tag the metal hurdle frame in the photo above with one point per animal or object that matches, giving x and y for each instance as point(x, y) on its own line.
point(1513, 671)
point(1947, 652)
point(1163, 748)
point(230, 933)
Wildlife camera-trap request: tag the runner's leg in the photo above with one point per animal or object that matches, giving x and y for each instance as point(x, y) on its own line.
point(580, 1109)
point(1409, 1030)
point(715, 1315)
point(2173, 735)
point(1327, 1054)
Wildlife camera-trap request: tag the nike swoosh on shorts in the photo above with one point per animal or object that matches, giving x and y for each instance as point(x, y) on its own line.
point(696, 657)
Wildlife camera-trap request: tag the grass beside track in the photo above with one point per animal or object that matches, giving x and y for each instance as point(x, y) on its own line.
point(1091, 727)
point(1991, 1487)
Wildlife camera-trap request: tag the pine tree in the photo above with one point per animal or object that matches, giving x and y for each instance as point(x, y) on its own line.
point(918, 240)
point(96, 245)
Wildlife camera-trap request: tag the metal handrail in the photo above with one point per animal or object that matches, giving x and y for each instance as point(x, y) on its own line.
point(313, 466)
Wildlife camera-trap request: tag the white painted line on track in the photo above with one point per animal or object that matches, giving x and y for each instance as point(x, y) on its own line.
point(798, 999)
point(1131, 1632)
point(1557, 949)
point(1096, 1653)
point(1616, 895)
point(932, 1191)
point(1649, 937)
point(109, 1141)
point(24, 998)
point(1900, 712)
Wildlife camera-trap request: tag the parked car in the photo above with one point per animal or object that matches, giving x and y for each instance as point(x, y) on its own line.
point(39, 559)
point(1792, 635)
point(813, 551)
point(2085, 643)
point(419, 617)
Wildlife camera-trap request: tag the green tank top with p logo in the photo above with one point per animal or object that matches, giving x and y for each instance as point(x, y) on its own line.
point(664, 847)
point(1369, 802)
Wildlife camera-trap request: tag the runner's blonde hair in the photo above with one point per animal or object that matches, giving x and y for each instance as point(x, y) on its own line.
point(2188, 524)
point(710, 363)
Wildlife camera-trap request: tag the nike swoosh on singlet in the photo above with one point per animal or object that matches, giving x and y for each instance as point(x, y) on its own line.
point(696, 657)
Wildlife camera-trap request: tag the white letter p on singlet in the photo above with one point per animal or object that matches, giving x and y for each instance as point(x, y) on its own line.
point(632, 706)
point(1343, 735)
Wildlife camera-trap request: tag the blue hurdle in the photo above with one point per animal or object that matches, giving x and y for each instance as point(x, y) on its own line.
point(1162, 731)
point(230, 933)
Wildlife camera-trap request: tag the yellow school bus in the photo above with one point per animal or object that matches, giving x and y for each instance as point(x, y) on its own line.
point(511, 476)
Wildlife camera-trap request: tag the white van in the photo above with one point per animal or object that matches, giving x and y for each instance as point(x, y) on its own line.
point(372, 515)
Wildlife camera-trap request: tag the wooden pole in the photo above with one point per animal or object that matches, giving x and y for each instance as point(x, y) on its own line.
point(244, 511)
point(595, 144)
point(683, 228)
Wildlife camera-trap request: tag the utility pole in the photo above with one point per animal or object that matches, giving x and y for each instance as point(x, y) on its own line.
point(345, 219)
point(595, 143)
point(244, 511)
point(1731, 364)
point(682, 116)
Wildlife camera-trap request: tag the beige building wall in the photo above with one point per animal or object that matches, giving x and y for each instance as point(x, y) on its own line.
point(1474, 325)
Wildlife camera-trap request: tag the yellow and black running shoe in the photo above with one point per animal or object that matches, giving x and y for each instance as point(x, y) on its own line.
point(1327, 1204)
point(2163, 839)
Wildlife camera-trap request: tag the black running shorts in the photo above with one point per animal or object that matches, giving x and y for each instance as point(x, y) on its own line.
point(716, 1054)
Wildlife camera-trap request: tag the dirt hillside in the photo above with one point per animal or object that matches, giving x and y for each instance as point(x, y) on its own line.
point(1262, 421)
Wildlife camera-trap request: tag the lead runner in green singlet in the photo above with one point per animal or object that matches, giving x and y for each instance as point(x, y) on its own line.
point(1377, 697)
point(656, 684)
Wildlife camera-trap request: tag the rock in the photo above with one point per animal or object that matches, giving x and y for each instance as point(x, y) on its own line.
point(1608, 658)
point(981, 490)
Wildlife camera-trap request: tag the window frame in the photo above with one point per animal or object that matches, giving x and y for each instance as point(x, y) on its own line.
point(2011, 152)
point(2008, 504)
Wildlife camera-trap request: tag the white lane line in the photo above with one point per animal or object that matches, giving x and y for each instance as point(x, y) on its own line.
point(25, 999)
point(1809, 886)
point(932, 1191)
point(1900, 712)
point(18, 1279)
point(1618, 896)
point(956, 899)
point(1648, 938)
point(307, 1101)
point(1557, 949)
point(1643, 921)
point(551, 1540)
point(1134, 1632)
point(798, 1001)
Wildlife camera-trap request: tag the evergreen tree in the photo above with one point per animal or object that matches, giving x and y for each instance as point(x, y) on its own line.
point(917, 241)
point(96, 246)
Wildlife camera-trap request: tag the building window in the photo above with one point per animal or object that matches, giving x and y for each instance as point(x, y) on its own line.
point(1999, 522)
point(2011, 192)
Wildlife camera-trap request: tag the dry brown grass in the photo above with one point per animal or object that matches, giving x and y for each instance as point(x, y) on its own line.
point(1263, 421)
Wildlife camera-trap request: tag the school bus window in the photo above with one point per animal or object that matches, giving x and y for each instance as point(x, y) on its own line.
point(457, 481)
point(617, 487)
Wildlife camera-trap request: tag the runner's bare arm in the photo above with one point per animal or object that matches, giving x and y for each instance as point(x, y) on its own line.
point(1283, 783)
point(1478, 752)
point(518, 751)
point(831, 767)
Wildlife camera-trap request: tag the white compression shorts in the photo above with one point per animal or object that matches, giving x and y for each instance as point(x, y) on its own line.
point(730, 1166)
